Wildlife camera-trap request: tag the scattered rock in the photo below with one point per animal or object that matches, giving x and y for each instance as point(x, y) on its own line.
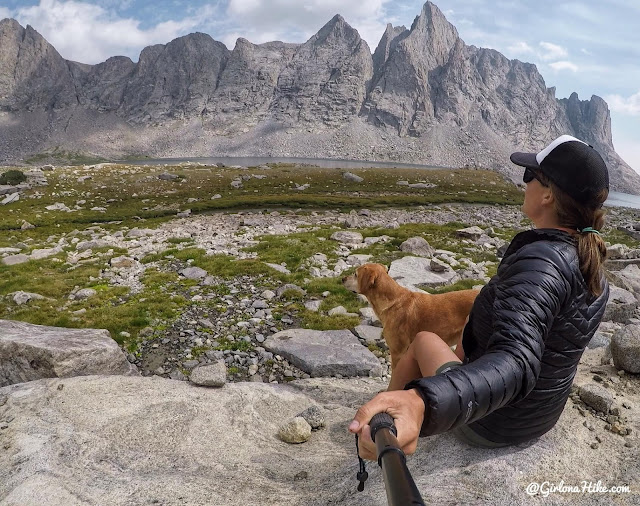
point(58, 206)
point(369, 315)
point(13, 197)
point(39, 254)
point(194, 273)
point(625, 349)
point(411, 272)
point(417, 246)
point(348, 238)
point(15, 259)
point(422, 186)
point(314, 417)
point(474, 233)
point(279, 268)
point(139, 232)
point(313, 305)
point(21, 297)
point(439, 266)
point(122, 262)
point(352, 177)
point(83, 294)
point(599, 398)
point(166, 176)
point(621, 305)
point(324, 353)
point(289, 287)
point(30, 352)
point(297, 430)
point(92, 245)
point(370, 334)
point(213, 375)
point(6, 251)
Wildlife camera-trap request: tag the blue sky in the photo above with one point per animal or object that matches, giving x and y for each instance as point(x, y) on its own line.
point(587, 46)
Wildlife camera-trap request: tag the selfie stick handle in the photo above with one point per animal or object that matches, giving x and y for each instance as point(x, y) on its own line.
point(400, 487)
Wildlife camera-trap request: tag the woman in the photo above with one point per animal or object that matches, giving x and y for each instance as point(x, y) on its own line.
point(528, 327)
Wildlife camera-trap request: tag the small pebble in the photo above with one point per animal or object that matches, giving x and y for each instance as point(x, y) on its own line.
point(302, 475)
point(594, 446)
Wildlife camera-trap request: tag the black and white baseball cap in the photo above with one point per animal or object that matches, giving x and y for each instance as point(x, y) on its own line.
point(573, 165)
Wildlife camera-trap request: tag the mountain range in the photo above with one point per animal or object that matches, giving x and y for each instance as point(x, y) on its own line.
point(423, 96)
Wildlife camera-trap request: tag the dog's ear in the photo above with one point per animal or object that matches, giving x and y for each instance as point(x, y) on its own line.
point(366, 278)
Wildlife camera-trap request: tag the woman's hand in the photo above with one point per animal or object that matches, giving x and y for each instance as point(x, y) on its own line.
point(407, 409)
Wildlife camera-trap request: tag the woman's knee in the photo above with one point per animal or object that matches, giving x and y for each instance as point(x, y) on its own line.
point(428, 342)
point(426, 338)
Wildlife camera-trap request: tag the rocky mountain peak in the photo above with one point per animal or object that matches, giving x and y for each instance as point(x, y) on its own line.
point(424, 96)
point(336, 29)
point(389, 41)
point(432, 35)
point(32, 72)
point(10, 24)
point(326, 80)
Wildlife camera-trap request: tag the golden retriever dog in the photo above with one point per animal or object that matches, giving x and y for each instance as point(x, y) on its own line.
point(404, 313)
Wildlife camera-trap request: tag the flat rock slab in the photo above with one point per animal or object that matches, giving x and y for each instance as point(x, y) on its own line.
point(194, 273)
point(213, 375)
point(15, 259)
point(412, 272)
point(126, 441)
point(30, 352)
point(621, 305)
point(628, 278)
point(324, 353)
point(369, 333)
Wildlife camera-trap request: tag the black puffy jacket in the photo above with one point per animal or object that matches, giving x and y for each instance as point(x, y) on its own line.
point(527, 331)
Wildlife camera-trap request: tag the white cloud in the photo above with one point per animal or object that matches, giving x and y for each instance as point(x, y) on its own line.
point(520, 48)
point(586, 51)
point(90, 33)
point(564, 65)
point(5, 13)
point(552, 51)
point(543, 52)
point(625, 105)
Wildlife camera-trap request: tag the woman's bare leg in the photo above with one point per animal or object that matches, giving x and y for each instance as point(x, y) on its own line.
point(459, 351)
point(426, 353)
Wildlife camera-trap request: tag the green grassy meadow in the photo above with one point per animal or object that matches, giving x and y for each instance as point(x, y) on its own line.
point(124, 196)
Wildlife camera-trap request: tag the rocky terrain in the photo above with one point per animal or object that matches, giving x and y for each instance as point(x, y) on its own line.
point(242, 359)
point(423, 96)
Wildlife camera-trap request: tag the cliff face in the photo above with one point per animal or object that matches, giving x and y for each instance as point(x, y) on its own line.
point(466, 104)
point(326, 79)
point(32, 73)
